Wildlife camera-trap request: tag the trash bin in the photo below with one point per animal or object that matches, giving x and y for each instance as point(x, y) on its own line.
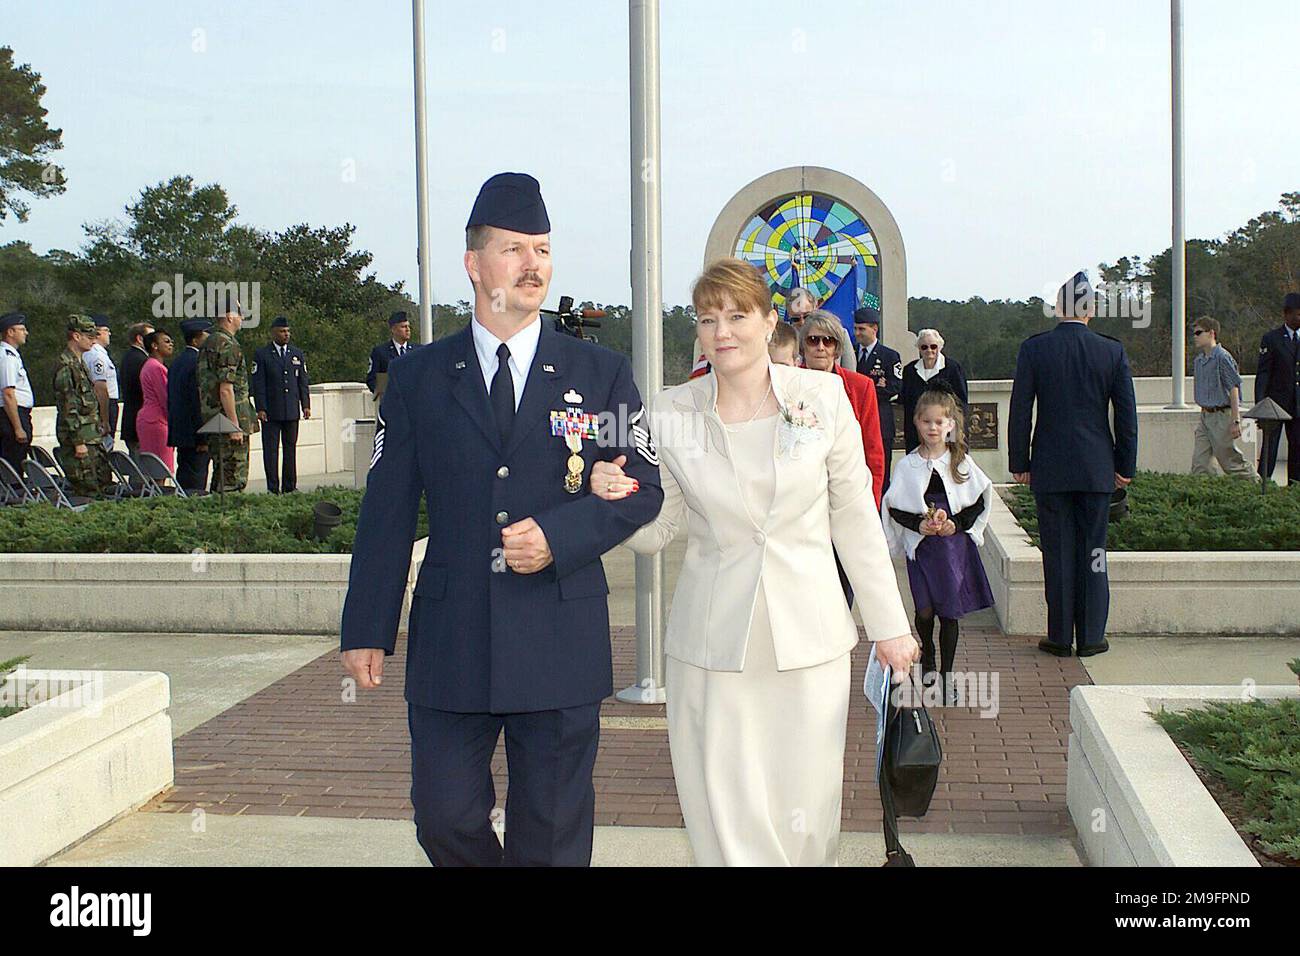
point(326, 516)
point(363, 430)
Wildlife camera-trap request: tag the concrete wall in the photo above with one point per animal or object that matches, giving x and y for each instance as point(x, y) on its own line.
point(325, 442)
point(1133, 798)
point(180, 593)
point(68, 766)
point(1165, 437)
point(1151, 592)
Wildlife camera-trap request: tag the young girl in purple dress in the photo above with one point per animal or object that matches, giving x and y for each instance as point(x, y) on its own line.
point(934, 513)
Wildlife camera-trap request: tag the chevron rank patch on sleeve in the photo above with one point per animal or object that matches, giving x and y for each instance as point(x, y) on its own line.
point(645, 445)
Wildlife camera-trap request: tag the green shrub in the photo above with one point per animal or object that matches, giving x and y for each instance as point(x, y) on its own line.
point(1191, 513)
point(1254, 749)
point(5, 668)
point(246, 524)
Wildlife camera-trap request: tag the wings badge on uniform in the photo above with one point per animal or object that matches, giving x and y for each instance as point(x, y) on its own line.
point(645, 445)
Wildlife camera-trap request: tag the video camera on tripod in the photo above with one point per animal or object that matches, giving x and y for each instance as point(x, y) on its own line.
point(573, 321)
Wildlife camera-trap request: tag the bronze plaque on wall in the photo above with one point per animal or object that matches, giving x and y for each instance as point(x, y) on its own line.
point(981, 425)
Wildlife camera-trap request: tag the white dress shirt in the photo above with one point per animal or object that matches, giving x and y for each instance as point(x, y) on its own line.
point(522, 345)
point(13, 374)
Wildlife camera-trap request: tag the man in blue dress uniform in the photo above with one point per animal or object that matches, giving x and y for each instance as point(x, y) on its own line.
point(885, 367)
point(1073, 463)
point(183, 418)
point(282, 396)
point(497, 427)
point(398, 344)
point(1278, 377)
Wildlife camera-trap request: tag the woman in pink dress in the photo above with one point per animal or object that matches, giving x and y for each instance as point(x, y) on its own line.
point(151, 425)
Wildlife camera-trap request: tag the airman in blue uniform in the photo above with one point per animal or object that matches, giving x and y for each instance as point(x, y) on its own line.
point(1278, 377)
point(183, 418)
point(1072, 462)
point(282, 396)
point(885, 367)
point(399, 343)
point(497, 427)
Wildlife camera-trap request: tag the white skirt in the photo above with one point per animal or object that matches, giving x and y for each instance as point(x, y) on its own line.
point(759, 756)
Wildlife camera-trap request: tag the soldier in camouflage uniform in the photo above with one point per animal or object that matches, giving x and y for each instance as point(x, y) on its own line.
point(79, 429)
point(223, 389)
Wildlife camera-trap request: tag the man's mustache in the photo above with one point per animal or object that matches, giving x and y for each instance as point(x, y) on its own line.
point(529, 277)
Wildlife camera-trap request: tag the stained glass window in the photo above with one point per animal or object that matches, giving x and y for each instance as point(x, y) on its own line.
point(812, 241)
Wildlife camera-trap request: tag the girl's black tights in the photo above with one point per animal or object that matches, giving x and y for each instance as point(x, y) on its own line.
point(947, 642)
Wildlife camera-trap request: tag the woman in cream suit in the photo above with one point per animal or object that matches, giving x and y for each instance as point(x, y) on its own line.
point(764, 466)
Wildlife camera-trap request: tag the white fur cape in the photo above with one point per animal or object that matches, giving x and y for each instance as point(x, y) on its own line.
point(907, 484)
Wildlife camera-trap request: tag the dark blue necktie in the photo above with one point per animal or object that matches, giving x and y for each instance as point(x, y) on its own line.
point(502, 393)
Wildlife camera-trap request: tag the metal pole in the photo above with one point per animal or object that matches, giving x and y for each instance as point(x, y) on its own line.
point(421, 177)
point(1178, 250)
point(647, 316)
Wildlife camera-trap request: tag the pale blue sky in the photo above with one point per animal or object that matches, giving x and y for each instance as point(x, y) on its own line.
point(1014, 141)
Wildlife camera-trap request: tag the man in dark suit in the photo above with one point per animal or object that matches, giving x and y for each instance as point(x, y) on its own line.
point(884, 366)
point(495, 427)
point(281, 395)
point(398, 344)
point(128, 385)
point(183, 418)
point(1278, 377)
point(1072, 461)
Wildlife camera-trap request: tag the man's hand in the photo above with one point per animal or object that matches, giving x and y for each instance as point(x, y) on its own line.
point(261, 416)
point(898, 653)
point(1021, 477)
point(237, 437)
point(80, 451)
point(202, 446)
point(1234, 430)
point(1121, 481)
point(366, 665)
point(306, 412)
point(525, 546)
point(20, 436)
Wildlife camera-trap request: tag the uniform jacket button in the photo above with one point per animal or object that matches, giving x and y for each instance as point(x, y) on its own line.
point(502, 517)
point(503, 472)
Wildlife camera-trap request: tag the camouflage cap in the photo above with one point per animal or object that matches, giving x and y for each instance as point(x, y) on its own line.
point(82, 323)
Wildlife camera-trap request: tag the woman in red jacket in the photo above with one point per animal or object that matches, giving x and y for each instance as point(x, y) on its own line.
point(821, 341)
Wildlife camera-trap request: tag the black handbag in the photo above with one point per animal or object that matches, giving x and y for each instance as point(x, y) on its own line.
point(909, 769)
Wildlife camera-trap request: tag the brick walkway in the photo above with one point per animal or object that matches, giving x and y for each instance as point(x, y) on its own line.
point(296, 749)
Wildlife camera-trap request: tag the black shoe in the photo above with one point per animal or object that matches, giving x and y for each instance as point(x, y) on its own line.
point(1091, 649)
point(1052, 647)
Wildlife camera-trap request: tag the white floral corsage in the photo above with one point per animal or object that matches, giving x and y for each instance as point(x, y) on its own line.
point(799, 426)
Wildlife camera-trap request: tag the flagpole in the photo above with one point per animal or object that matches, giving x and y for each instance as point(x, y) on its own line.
point(647, 316)
point(421, 176)
point(1178, 250)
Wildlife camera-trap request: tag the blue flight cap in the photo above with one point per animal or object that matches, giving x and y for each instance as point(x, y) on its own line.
point(396, 318)
point(511, 201)
point(867, 314)
point(195, 326)
point(10, 319)
point(1076, 296)
point(1291, 302)
point(101, 320)
point(280, 322)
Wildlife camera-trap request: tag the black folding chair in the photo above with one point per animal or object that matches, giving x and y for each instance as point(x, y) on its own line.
point(49, 462)
point(14, 489)
point(160, 476)
point(49, 489)
point(131, 481)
